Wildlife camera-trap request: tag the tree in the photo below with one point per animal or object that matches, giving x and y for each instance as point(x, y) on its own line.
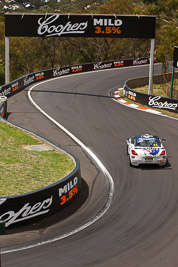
point(36, 3)
point(117, 7)
point(166, 28)
point(52, 6)
point(167, 40)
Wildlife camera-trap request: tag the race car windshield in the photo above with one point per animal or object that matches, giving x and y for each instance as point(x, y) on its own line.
point(150, 142)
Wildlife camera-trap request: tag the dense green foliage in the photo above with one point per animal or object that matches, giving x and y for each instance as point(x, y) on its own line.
point(33, 54)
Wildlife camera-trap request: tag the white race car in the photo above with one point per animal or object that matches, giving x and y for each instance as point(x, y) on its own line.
point(146, 149)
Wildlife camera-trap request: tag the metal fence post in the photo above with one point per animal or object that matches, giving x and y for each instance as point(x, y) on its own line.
point(172, 82)
point(7, 78)
point(150, 90)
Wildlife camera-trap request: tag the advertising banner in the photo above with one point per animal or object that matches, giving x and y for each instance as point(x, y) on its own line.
point(78, 25)
point(39, 204)
point(151, 101)
point(23, 82)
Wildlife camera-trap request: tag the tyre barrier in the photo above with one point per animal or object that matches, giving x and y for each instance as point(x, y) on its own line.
point(38, 204)
point(3, 106)
point(152, 101)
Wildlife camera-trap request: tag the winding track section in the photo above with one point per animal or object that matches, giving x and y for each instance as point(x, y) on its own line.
point(141, 226)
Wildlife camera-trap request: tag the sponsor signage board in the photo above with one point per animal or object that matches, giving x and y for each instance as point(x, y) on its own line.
point(23, 82)
point(78, 25)
point(36, 205)
point(152, 100)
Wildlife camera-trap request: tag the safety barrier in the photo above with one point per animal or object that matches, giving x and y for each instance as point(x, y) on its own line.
point(36, 205)
point(152, 101)
point(23, 82)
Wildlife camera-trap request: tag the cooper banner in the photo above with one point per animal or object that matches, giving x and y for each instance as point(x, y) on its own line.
point(23, 82)
point(152, 101)
point(44, 202)
point(77, 25)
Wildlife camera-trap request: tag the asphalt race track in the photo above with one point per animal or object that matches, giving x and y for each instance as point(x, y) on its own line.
point(140, 228)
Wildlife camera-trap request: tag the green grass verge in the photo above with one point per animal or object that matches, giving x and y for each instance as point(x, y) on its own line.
point(157, 90)
point(23, 170)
